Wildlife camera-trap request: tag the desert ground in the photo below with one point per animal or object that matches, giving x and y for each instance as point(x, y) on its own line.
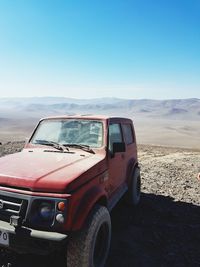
point(164, 230)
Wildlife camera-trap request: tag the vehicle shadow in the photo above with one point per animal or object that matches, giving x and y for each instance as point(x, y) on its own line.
point(159, 232)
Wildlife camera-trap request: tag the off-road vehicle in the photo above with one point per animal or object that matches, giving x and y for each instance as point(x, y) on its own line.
point(58, 191)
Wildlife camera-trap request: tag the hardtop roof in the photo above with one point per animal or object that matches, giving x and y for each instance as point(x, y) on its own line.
point(85, 116)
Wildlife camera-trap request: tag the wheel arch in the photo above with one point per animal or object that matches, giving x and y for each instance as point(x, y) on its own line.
point(95, 196)
point(131, 166)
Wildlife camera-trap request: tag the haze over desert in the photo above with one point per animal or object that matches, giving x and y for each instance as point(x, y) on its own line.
point(161, 122)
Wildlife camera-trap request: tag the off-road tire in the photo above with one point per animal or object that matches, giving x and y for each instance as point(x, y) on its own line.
point(90, 246)
point(134, 190)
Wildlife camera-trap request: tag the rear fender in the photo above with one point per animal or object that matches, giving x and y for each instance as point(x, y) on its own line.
point(132, 165)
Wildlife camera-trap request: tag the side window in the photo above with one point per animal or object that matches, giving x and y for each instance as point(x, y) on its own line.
point(115, 134)
point(128, 133)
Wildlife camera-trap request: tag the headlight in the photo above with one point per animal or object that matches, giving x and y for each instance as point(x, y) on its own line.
point(46, 211)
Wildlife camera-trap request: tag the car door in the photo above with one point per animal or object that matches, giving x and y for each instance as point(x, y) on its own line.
point(129, 139)
point(116, 166)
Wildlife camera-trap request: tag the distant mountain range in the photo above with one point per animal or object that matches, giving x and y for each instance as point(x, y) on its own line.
point(35, 107)
point(164, 122)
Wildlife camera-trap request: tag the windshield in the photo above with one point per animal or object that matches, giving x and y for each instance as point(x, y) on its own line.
point(70, 131)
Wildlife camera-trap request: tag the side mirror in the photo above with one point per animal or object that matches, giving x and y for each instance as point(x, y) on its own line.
point(119, 147)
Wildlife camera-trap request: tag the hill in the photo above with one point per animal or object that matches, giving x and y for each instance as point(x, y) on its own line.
point(164, 122)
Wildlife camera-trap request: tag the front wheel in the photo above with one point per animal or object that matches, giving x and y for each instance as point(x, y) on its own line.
point(90, 246)
point(134, 190)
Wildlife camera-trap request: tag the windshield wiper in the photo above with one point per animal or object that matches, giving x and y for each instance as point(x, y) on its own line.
point(83, 147)
point(51, 143)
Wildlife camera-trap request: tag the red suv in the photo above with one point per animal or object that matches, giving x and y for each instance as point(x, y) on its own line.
point(60, 189)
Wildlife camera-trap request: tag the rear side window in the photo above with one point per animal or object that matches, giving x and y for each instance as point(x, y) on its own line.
point(128, 133)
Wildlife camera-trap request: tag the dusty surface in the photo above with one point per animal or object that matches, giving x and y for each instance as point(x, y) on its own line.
point(164, 230)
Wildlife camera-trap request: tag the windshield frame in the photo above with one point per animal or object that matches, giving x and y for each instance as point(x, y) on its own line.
point(72, 119)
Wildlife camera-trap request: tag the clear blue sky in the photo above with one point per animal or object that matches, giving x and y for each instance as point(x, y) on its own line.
point(86, 49)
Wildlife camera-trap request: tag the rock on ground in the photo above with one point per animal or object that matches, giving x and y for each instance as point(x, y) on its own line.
point(164, 230)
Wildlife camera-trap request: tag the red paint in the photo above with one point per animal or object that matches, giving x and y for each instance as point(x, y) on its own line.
point(83, 178)
point(44, 171)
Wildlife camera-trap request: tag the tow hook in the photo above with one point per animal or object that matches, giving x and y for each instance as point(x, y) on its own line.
point(16, 221)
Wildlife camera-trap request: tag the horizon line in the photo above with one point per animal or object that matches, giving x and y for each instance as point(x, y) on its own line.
point(103, 97)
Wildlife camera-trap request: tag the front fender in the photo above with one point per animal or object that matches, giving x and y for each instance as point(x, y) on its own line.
point(90, 198)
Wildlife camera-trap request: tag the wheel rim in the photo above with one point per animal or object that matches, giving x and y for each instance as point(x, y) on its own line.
point(101, 245)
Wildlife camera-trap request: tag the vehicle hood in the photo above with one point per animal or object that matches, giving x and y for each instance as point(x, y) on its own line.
point(50, 171)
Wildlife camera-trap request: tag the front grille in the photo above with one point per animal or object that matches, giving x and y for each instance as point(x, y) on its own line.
point(10, 205)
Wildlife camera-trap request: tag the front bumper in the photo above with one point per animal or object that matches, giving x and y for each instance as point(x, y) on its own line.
point(27, 240)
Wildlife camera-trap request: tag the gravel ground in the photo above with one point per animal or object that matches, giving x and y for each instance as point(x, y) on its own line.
point(164, 230)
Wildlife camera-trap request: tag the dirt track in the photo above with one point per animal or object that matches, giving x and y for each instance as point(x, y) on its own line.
point(164, 230)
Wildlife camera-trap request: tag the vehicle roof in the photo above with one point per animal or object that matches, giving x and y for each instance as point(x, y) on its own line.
point(85, 116)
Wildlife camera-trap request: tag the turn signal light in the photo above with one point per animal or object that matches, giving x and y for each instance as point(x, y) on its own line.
point(61, 206)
